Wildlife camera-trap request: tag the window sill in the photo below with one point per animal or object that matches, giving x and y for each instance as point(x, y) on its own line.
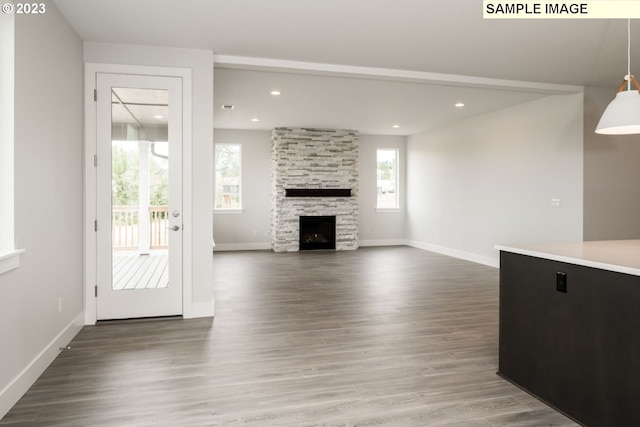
point(388, 210)
point(10, 260)
point(228, 211)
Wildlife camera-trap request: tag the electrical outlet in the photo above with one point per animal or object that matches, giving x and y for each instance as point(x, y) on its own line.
point(561, 281)
point(555, 203)
point(60, 305)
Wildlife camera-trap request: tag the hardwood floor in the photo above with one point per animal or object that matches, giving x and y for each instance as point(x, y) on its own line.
point(390, 336)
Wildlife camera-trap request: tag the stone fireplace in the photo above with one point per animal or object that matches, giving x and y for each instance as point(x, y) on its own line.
point(314, 173)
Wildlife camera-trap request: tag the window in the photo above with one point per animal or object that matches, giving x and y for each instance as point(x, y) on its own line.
point(387, 171)
point(228, 177)
point(9, 256)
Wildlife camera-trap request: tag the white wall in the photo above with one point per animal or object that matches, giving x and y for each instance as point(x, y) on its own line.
point(611, 175)
point(379, 228)
point(490, 179)
point(48, 203)
point(249, 230)
point(201, 174)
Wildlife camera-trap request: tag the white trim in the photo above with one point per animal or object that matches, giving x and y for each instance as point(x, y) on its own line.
point(467, 256)
point(382, 242)
point(89, 190)
point(203, 309)
point(388, 210)
point(90, 213)
point(25, 379)
point(243, 62)
point(187, 191)
point(228, 211)
point(10, 261)
point(227, 247)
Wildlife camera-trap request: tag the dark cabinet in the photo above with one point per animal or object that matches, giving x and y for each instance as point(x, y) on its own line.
point(572, 339)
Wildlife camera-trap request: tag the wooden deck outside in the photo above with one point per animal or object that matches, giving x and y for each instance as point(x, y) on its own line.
point(134, 271)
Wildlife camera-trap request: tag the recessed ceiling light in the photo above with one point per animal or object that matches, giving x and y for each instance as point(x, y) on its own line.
point(158, 116)
point(395, 126)
point(459, 104)
point(255, 119)
point(228, 107)
point(275, 92)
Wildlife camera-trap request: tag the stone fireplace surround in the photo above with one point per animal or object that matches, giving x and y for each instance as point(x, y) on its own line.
point(304, 158)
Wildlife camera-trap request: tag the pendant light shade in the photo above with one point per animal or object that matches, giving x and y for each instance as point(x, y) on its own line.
point(622, 116)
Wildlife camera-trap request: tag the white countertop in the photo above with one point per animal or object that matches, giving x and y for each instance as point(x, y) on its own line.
point(622, 256)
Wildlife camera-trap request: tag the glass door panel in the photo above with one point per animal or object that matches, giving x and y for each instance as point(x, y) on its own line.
point(140, 188)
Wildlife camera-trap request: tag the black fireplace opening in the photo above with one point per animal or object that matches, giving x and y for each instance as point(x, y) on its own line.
point(317, 232)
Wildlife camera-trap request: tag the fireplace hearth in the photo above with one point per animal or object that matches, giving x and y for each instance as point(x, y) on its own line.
point(317, 232)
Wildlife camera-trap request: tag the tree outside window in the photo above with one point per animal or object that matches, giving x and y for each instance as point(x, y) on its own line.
point(125, 172)
point(228, 177)
point(387, 179)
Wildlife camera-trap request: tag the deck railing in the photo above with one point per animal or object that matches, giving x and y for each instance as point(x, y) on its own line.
point(125, 227)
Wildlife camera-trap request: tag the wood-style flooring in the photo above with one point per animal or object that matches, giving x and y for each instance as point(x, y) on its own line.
point(391, 336)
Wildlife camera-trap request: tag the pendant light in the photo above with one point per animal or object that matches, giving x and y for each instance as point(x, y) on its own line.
point(622, 116)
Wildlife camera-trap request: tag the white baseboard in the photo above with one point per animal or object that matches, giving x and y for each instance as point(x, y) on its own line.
point(467, 256)
point(223, 247)
point(21, 383)
point(202, 309)
point(382, 242)
point(226, 247)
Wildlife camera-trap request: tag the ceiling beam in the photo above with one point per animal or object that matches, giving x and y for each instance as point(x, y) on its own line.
point(266, 64)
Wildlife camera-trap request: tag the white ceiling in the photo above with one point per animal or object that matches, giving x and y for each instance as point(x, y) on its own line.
point(428, 36)
point(367, 105)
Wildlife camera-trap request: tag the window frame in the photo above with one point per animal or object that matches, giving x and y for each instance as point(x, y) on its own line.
point(396, 208)
point(222, 210)
point(9, 255)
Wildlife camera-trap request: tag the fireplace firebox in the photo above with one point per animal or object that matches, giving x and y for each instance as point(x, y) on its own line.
point(317, 232)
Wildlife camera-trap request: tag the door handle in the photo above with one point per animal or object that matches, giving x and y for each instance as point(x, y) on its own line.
point(174, 228)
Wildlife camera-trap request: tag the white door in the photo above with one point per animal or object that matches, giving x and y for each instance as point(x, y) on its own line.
point(139, 196)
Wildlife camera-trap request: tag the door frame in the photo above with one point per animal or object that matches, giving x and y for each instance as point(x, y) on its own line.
point(90, 180)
